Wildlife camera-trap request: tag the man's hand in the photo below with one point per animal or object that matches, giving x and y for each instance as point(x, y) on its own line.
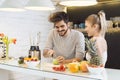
point(61, 59)
point(51, 53)
point(48, 52)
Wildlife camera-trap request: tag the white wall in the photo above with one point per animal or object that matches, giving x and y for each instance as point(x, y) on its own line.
point(21, 25)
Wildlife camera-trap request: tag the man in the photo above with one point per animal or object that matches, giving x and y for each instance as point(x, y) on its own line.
point(64, 44)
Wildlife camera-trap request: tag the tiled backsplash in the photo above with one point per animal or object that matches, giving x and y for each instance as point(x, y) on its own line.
point(21, 25)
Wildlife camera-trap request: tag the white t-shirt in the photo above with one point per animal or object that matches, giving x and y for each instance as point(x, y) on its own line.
point(70, 46)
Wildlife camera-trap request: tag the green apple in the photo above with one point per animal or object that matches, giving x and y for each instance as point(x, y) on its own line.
point(55, 62)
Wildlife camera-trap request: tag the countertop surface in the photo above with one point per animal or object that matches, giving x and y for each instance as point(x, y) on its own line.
point(45, 69)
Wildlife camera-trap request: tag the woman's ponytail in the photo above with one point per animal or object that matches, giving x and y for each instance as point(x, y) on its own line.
point(102, 23)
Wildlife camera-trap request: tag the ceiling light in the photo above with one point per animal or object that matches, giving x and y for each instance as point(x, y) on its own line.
point(40, 5)
point(13, 5)
point(78, 2)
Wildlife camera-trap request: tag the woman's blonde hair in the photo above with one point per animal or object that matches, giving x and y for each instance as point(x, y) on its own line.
point(99, 19)
point(103, 22)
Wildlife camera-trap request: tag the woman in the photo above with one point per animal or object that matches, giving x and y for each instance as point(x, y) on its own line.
point(95, 28)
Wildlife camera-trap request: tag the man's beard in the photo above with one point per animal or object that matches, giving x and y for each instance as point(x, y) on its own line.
point(64, 32)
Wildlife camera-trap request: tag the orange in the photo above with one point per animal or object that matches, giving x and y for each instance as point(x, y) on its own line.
point(73, 67)
point(83, 66)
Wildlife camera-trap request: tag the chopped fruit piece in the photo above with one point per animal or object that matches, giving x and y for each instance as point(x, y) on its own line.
point(59, 68)
point(54, 68)
point(32, 59)
point(62, 67)
point(35, 59)
point(73, 67)
point(26, 58)
point(83, 66)
point(55, 62)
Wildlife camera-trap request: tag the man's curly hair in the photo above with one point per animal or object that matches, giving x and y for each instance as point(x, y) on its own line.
point(58, 16)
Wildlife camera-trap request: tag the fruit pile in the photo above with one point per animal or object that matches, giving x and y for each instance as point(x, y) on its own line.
point(59, 68)
point(30, 59)
point(23, 59)
point(73, 67)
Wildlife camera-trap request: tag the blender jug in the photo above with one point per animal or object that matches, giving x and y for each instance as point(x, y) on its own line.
point(34, 51)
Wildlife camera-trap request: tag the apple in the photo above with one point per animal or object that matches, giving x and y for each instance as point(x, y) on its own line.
point(55, 62)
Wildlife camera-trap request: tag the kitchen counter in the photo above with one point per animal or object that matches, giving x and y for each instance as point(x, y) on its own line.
point(45, 70)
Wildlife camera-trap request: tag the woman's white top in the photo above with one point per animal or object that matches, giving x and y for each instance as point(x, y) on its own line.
point(103, 55)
